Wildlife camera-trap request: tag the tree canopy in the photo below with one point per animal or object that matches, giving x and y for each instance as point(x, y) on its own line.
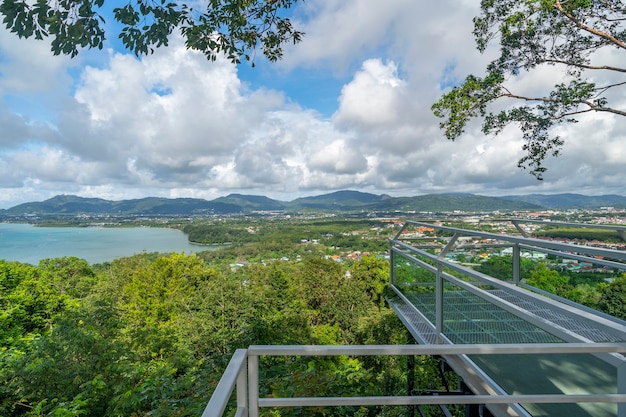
point(583, 39)
point(234, 28)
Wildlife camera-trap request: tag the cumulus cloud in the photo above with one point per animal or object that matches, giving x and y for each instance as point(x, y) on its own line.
point(172, 112)
point(374, 98)
point(338, 157)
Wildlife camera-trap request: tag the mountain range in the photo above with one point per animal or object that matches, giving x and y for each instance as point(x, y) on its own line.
point(340, 201)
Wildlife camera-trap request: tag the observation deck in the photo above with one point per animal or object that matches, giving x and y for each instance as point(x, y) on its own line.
point(520, 351)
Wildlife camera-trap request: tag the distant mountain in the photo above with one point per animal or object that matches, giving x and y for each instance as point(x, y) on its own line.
point(63, 204)
point(252, 202)
point(562, 201)
point(342, 201)
point(73, 205)
point(460, 202)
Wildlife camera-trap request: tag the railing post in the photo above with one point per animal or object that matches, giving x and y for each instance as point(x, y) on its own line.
point(242, 390)
point(253, 386)
point(621, 388)
point(392, 267)
point(410, 382)
point(439, 303)
point(439, 287)
point(516, 264)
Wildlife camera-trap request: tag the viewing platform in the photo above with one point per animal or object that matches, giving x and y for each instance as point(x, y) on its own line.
point(519, 351)
point(441, 301)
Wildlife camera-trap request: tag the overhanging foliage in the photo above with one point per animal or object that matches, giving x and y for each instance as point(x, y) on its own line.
point(566, 35)
point(234, 28)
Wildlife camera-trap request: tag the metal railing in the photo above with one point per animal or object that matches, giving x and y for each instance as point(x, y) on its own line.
point(439, 299)
point(243, 373)
point(446, 272)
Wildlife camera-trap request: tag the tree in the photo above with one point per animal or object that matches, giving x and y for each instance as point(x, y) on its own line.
point(234, 28)
point(549, 280)
point(613, 298)
point(534, 34)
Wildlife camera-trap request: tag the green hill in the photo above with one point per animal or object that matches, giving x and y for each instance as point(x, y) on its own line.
point(340, 201)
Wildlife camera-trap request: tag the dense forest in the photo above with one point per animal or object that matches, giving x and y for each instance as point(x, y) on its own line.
point(348, 233)
point(152, 334)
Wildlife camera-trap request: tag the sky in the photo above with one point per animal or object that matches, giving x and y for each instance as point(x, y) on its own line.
point(348, 108)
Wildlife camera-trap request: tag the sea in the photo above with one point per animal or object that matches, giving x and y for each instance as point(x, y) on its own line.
point(29, 244)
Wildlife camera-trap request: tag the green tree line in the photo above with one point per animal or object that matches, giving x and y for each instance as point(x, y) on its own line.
point(353, 234)
point(581, 234)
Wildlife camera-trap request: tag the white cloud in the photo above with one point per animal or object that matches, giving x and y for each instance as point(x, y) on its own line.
point(27, 66)
point(338, 158)
point(374, 98)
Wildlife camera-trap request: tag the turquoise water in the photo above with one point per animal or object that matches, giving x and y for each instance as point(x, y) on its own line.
point(28, 244)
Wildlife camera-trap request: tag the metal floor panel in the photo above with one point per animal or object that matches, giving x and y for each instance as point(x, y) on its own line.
point(471, 319)
point(581, 328)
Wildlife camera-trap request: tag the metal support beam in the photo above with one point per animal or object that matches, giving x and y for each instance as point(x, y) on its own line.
point(392, 268)
point(253, 386)
point(519, 228)
point(410, 382)
point(621, 389)
point(439, 303)
point(516, 265)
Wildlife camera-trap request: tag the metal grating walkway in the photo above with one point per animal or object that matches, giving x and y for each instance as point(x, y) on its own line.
point(470, 319)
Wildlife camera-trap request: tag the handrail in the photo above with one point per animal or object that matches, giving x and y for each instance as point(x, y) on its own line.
point(236, 367)
point(412, 253)
point(435, 349)
point(531, 242)
point(233, 375)
point(613, 325)
point(621, 230)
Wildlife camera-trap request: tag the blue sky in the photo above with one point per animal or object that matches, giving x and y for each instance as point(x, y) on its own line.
point(347, 108)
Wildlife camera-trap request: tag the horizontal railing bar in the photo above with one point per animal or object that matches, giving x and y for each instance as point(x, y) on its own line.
point(571, 224)
point(582, 258)
point(441, 399)
point(435, 349)
point(540, 243)
point(219, 400)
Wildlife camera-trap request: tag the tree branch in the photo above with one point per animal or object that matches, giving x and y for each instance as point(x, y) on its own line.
point(607, 36)
point(592, 106)
point(592, 67)
point(607, 87)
